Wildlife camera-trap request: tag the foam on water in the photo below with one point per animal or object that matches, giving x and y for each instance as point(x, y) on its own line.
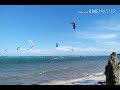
point(39, 70)
point(86, 80)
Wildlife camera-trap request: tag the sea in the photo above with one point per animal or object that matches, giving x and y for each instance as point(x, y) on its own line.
point(33, 70)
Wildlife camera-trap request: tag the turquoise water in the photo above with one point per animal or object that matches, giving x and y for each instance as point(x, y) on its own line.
point(39, 69)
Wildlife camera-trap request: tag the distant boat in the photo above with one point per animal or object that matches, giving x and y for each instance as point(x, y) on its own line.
point(118, 54)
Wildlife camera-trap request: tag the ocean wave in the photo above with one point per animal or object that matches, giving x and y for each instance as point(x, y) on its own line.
point(88, 79)
point(49, 72)
point(58, 58)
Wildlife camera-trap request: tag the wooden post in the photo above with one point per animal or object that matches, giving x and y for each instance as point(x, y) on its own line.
point(112, 70)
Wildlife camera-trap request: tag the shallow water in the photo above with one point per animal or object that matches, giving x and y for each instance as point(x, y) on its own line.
point(41, 69)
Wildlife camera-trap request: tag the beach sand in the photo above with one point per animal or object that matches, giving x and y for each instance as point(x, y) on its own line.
point(91, 79)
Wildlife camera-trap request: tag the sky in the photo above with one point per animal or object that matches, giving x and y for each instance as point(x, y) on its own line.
point(96, 33)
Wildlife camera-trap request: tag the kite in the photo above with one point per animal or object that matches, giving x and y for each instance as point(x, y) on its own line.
point(56, 44)
point(30, 41)
point(6, 50)
point(74, 25)
point(18, 48)
point(72, 50)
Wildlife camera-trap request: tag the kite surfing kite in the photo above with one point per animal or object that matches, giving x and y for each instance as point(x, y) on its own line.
point(74, 25)
point(18, 48)
point(6, 50)
point(56, 44)
point(72, 50)
point(30, 41)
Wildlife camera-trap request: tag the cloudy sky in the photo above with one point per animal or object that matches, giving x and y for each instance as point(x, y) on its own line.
point(96, 33)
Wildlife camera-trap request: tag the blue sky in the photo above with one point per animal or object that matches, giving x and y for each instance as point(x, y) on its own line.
point(47, 24)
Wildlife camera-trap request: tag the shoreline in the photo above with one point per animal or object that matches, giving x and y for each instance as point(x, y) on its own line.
point(91, 79)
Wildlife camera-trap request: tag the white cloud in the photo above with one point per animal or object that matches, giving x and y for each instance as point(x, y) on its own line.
point(106, 28)
point(65, 48)
point(89, 49)
point(110, 27)
point(78, 49)
point(38, 51)
point(95, 35)
point(107, 25)
point(24, 52)
point(104, 36)
point(112, 43)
